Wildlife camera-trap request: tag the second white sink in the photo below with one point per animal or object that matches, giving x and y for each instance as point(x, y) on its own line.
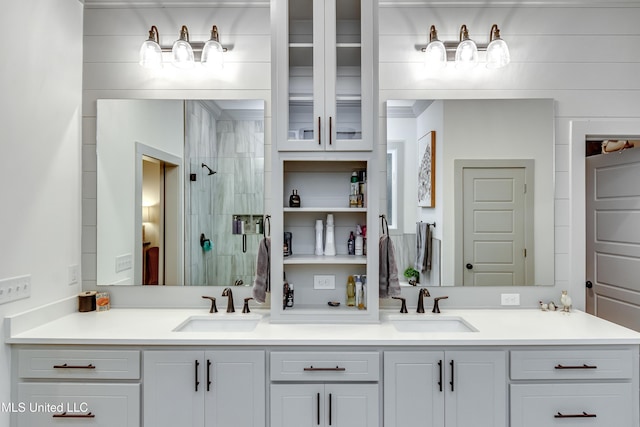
point(431, 324)
point(220, 323)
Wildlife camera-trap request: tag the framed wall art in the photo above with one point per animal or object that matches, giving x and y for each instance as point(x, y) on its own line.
point(427, 170)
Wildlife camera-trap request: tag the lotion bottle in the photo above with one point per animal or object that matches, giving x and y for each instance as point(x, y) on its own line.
point(319, 227)
point(359, 249)
point(330, 242)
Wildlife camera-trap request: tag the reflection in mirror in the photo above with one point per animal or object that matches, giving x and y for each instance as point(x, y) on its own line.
point(180, 191)
point(490, 136)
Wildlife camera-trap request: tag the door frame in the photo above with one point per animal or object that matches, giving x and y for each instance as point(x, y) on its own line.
point(461, 164)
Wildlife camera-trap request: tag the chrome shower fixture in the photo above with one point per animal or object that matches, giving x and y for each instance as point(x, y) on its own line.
point(211, 172)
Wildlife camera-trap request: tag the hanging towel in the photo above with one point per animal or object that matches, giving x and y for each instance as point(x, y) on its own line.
point(262, 283)
point(389, 283)
point(423, 247)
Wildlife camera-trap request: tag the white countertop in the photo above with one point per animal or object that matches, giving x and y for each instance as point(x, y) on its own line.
point(494, 327)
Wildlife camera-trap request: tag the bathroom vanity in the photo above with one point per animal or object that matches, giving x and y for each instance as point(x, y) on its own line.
point(154, 367)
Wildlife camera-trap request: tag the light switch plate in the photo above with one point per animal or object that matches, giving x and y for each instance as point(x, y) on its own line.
point(510, 299)
point(324, 281)
point(15, 288)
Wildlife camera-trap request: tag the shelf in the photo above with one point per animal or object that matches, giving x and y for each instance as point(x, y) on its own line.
point(325, 260)
point(306, 45)
point(325, 209)
point(345, 45)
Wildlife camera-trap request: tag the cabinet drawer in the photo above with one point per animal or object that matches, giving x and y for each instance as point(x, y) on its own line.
point(84, 364)
point(325, 366)
point(74, 404)
point(542, 405)
point(571, 364)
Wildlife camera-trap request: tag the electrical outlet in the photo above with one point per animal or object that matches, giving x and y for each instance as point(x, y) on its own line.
point(15, 288)
point(324, 282)
point(124, 262)
point(73, 274)
point(510, 299)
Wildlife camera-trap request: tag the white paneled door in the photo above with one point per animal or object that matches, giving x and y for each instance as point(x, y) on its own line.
point(613, 236)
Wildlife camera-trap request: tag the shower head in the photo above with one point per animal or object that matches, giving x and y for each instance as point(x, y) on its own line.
point(211, 172)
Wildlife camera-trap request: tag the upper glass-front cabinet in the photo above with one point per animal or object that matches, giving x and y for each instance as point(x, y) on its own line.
point(325, 75)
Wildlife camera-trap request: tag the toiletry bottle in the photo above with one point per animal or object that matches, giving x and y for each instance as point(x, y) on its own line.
point(359, 246)
point(351, 244)
point(330, 243)
point(364, 239)
point(363, 279)
point(359, 294)
point(290, 296)
point(363, 188)
point(258, 227)
point(285, 290)
point(319, 228)
point(353, 194)
point(294, 199)
point(351, 292)
point(235, 225)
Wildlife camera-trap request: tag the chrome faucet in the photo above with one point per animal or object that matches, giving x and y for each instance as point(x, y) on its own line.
point(227, 293)
point(423, 292)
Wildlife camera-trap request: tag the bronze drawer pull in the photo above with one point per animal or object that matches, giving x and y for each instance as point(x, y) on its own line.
point(65, 366)
point(65, 415)
point(582, 415)
point(337, 368)
point(585, 366)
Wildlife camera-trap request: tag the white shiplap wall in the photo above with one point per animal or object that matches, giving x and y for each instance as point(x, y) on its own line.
point(113, 34)
point(582, 54)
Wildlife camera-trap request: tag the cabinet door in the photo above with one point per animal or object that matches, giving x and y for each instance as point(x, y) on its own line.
point(297, 405)
point(351, 405)
point(234, 385)
point(173, 388)
point(413, 388)
point(77, 404)
point(476, 388)
point(324, 54)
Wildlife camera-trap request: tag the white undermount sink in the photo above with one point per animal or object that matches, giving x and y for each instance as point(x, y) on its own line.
point(220, 322)
point(430, 324)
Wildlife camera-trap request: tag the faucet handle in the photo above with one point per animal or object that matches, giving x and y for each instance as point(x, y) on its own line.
point(436, 307)
point(403, 308)
point(245, 308)
point(213, 308)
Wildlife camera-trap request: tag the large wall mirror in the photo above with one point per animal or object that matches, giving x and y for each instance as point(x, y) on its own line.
point(180, 188)
point(470, 190)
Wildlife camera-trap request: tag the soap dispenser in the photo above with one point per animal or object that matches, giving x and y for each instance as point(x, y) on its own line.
point(330, 242)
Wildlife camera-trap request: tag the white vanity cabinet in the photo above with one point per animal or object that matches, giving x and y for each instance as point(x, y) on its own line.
point(574, 386)
point(323, 51)
point(204, 388)
point(325, 389)
point(77, 387)
point(445, 388)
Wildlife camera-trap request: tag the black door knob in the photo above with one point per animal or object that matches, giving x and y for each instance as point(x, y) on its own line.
point(469, 266)
point(589, 285)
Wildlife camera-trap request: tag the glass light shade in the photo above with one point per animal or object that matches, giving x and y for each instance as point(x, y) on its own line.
point(466, 54)
point(150, 55)
point(498, 54)
point(182, 54)
point(435, 55)
point(212, 55)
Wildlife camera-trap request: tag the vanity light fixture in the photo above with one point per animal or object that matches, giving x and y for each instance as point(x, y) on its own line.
point(184, 52)
point(150, 51)
point(435, 52)
point(497, 52)
point(465, 51)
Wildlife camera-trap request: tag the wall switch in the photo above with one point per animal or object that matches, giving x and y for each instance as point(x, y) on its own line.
point(510, 299)
point(324, 282)
point(123, 263)
point(73, 274)
point(15, 288)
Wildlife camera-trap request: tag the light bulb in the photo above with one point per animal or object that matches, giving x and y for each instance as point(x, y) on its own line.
point(435, 55)
point(497, 52)
point(182, 52)
point(150, 51)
